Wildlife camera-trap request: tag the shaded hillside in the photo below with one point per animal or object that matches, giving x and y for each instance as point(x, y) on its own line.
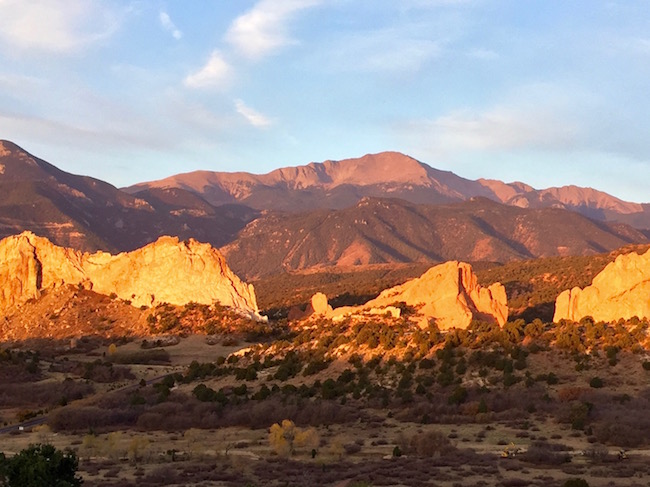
point(377, 231)
point(89, 214)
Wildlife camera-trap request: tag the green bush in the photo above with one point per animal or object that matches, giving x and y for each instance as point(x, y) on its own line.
point(40, 466)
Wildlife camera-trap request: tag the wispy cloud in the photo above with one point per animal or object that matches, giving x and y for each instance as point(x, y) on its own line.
point(215, 73)
point(19, 85)
point(264, 29)
point(638, 45)
point(381, 51)
point(59, 26)
point(255, 118)
point(66, 133)
point(501, 128)
point(169, 26)
point(538, 117)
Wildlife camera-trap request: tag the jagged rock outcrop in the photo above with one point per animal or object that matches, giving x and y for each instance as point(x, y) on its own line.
point(449, 293)
point(167, 270)
point(620, 290)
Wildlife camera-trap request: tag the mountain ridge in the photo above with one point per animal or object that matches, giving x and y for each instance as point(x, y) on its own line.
point(339, 184)
point(384, 230)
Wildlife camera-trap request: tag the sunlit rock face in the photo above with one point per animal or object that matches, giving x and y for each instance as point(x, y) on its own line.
point(166, 271)
point(620, 291)
point(448, 294)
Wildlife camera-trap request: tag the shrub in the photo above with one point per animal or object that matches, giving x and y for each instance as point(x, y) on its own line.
point(427, 444)
point(596, 382)
point(545, 453)
point(458, 396)
point(315, 366)
point(575, 483)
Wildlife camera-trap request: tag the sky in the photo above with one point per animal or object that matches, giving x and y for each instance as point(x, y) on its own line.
point(548, 92)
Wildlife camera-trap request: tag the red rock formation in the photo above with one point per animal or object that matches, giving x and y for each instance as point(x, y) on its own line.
point(167, 270)
point(620, 291)
point(448, 293)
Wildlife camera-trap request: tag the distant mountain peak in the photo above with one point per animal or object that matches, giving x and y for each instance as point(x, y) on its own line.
point(380, 168)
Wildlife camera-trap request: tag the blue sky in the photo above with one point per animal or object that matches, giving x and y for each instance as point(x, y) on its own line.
point(542, 91)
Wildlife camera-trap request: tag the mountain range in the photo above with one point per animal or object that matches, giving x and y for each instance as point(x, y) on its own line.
point(379, 208)
point(341, 184)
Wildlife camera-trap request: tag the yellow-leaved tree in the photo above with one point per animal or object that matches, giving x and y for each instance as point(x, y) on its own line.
point(286, 437)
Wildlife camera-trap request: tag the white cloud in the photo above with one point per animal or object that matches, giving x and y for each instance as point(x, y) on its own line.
point(215, 73)
point(169, 26)
point(264, 29)
point(502, 128)
point(77, 135)
point(381, 51)
point(253, 117)
point(535, 118)
point(59, 26)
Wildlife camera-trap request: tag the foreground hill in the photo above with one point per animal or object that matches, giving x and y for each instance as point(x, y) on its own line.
point(340, 184)
point(89, 214)
point(379, 231)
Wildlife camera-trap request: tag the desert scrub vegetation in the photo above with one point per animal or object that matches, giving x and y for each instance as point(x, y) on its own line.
point(43, 394)
point(212, 319)
point(143, 357)
point(278, 293)
point(19, 365)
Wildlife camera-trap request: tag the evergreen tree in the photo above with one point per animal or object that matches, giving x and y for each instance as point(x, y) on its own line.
point(40, 466)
